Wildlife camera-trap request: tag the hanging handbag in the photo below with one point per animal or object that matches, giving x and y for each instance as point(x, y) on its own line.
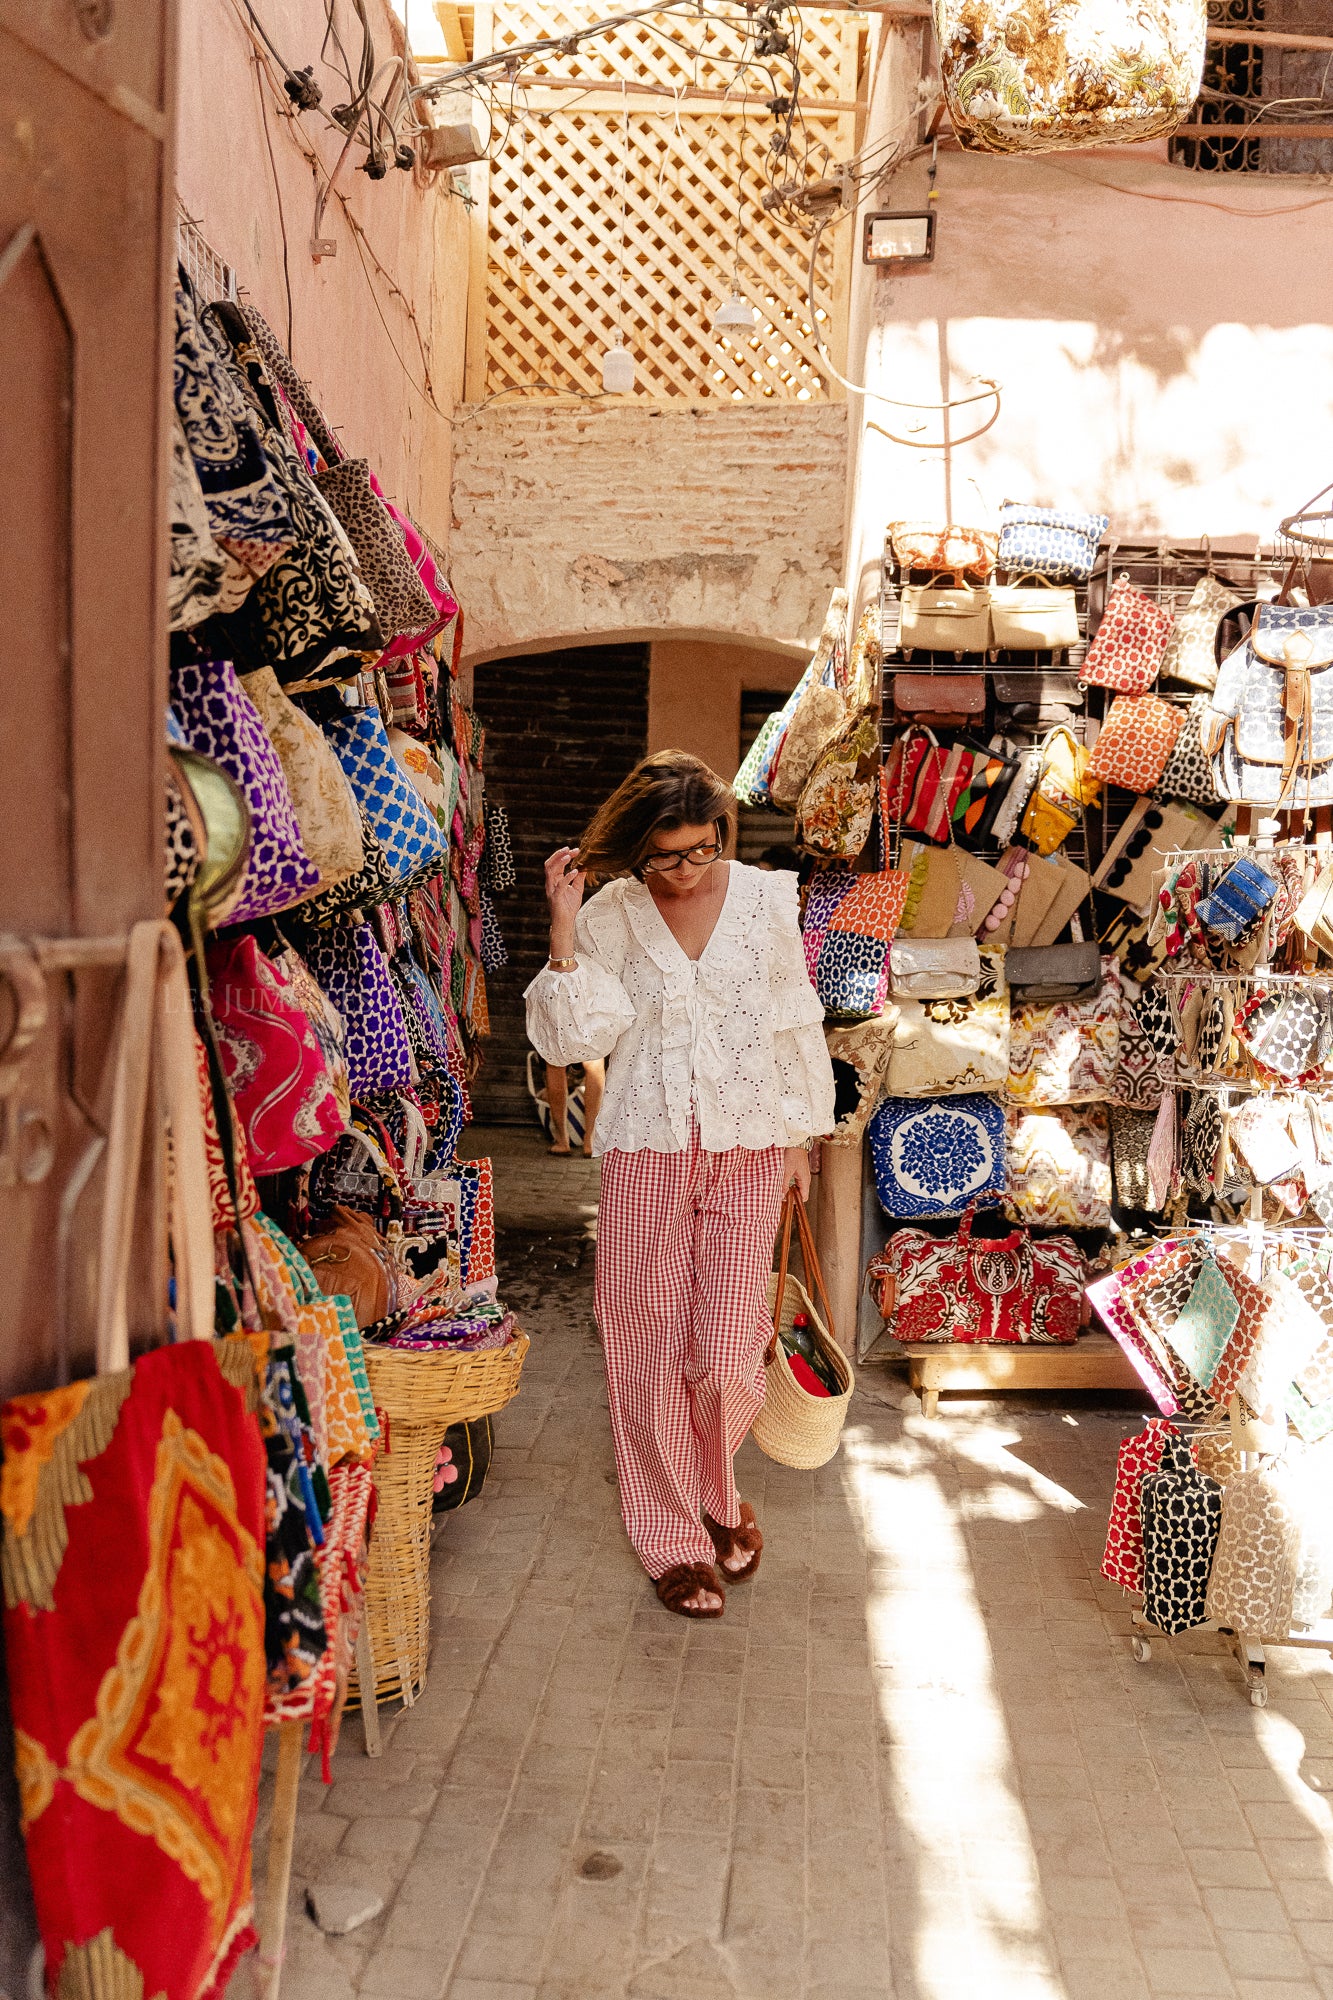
point(221, 722)
point(1054, 971)
point(1237, 899)
point(1049, 542)
point(1059, 1167)
point(797, 1427)
point(1135, 741)
point(851, 974)
point(828, 886)
point(279, 1076)
point(401, 603)
point(1141, 1070)
point(1182, 1516)
point(860, 1058)
point(818, 710)
point(943, 699)
point(1122, 1561)
point(1191, 647)
point(1188, 772)
point(1131, 1140)
point(1008, 1290)
point(326, 811)
point(353, 972)
point(133, 1560)
point(1269, 728)
point(1131, 639)
point(1064, 788)
point(310, 608)
point(953, 1048)
point(1065, 1051)
point(961, 552)
point(837, 805)
point(944, 618)
point(414, 844)
point(1040, 617)
point(935, 1159)
point(934, 968)
point(1252, 1583)
point(1111, 73)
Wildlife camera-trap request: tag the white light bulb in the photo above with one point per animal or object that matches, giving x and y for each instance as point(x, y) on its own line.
point(617, 371)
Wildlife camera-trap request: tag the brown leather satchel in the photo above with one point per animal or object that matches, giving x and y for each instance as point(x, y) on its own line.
point(946, 698)
point(350, 1257)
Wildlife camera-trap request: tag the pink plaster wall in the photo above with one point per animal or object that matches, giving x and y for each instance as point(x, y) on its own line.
point(1162, 339)
point(418, 229)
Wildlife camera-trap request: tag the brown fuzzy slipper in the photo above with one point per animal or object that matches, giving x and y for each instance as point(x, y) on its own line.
point(744, 1540)
point(687, 1580)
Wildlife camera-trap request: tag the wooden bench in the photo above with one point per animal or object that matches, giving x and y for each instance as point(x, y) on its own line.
point(1093, 1361)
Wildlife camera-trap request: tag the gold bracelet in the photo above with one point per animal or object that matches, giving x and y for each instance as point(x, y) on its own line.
point(562, 964)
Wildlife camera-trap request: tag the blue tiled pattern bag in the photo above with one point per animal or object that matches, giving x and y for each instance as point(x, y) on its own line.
point(1239, 900)
point(407, 830)
point(934, 1159)
point(1047, 541)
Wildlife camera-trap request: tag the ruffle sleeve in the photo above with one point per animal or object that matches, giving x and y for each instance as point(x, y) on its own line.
point(799, 1048)
point(579, 1016)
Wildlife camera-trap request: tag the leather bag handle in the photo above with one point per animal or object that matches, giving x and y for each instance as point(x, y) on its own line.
point(793, 1208)
point(155, 1025)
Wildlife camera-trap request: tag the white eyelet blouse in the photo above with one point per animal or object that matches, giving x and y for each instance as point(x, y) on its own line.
point(735, 1038)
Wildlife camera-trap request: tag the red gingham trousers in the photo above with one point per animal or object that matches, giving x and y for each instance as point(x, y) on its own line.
point(684, 1249)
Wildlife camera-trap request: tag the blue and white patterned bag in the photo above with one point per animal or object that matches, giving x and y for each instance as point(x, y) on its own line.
point(1047, 541)
point(406, 829)
point(934, 1159)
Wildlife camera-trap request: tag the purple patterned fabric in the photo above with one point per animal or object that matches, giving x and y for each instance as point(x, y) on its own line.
point(348, 963)
point(220, 721)
point(828, 887)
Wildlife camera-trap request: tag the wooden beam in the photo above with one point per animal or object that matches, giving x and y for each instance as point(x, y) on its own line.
point(1272, 38)
point(1258, 128)
point(451, 27)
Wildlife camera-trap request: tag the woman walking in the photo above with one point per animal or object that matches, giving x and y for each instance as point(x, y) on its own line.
point(687, 972)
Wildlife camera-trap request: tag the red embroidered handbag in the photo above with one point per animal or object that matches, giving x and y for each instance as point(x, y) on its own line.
point(286, 1094)
point(133, 1565)
point(1011, 1288)
point(1130, 644)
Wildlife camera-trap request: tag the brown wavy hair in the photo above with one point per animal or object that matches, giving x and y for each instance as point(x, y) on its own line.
point(666, 790)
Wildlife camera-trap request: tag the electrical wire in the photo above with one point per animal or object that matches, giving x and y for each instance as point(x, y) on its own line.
point(989, 390)
point(277, 190)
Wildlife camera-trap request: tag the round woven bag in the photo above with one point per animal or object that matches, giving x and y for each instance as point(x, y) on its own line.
point(794, 1427)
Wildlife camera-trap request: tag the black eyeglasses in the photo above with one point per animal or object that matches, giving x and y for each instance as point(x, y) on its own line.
point(1134, 847)
point(672, 857)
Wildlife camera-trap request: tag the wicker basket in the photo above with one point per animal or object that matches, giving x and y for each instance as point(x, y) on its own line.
point(794, 1427)
point(421, 1394)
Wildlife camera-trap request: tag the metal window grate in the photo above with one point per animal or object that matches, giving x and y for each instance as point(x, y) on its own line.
point(212, 277)
point(1263, 87)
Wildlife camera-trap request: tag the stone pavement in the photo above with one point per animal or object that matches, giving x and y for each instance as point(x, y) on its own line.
point(914, 1761)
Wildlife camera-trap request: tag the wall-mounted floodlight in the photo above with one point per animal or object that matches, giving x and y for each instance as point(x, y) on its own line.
point(899, 238)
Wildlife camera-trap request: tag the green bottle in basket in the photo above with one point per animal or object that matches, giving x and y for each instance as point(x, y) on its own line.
point(800, 1346)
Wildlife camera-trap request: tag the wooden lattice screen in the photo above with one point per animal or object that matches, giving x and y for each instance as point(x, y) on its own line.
point(548, 243)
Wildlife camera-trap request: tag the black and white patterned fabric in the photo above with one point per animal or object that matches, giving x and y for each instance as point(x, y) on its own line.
point(1200, 1143)
point(1189, 772)
point(182, 859)
point(498, 872)
point(1182, 1516)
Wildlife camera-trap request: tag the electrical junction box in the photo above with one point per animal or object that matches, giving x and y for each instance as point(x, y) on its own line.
point(459, 132)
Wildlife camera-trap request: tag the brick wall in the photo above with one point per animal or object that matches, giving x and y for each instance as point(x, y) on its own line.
point(562, 730)
point(635, 523)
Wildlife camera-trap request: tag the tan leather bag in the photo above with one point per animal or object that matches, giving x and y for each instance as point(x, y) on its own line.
point(350, 1258)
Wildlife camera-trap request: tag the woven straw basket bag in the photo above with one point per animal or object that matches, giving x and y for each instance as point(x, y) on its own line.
point(794, 1427)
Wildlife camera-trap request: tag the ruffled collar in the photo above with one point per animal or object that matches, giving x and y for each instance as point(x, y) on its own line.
point(654, 933)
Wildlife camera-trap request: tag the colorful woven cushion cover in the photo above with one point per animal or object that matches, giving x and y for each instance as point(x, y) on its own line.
point(133, 1568)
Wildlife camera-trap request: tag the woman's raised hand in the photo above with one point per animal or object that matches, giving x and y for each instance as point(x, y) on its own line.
point(564, 893)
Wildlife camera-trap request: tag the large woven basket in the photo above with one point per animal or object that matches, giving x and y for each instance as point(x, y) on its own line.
point(794, 1427)
point(421, 1394)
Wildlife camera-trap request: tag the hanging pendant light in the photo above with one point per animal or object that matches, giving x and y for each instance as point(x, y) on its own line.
point(735, 314)
point(617, 371)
